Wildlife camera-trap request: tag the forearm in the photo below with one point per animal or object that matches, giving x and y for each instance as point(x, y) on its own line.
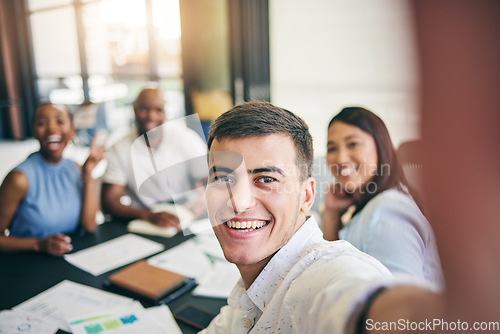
point(117, 209)
point(15, 244)
point(330, 224)
point(111, 195)
point(89, 204)
point(410, 304)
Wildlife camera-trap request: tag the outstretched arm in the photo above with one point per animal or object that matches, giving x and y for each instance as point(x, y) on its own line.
point(463, 201)
point(407, 306)
point(462, 208)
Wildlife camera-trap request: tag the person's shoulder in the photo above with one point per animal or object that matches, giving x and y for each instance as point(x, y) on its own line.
point(392, 193)
point(122, 144)
point(332, 249)
point(341, 258)
point(390, 199)
point(327, 251)
point(16, 181)
point(388, 208)
point(30, 165)
point(31, 160)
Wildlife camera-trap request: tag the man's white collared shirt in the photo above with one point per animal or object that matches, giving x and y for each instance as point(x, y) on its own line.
point(309, 286)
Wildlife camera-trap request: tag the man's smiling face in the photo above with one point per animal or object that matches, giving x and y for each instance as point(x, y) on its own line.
point(256, 200)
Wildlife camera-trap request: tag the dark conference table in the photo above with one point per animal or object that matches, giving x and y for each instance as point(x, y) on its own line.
point(24, 275)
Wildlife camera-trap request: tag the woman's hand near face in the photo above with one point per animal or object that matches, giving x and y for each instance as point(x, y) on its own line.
point(336, 203)
point(58, 245)
point(337, 200)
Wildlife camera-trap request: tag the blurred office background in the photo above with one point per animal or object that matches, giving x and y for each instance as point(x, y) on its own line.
point(311, 57)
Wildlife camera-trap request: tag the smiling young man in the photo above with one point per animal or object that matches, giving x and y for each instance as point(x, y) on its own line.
point(259, 193)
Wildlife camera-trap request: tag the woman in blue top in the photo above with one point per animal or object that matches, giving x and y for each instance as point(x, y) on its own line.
point(369, 204)
point(47, 196)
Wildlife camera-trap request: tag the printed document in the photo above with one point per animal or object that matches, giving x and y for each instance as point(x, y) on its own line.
point(129, 319)
point(114, 253)
point(20, 322)
point(68, 300)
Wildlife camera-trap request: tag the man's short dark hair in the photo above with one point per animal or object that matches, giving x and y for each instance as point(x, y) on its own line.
point(257, 118)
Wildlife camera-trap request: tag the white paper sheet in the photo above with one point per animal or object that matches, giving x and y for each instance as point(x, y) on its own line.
point(210, 245)
point(163, 314)
point(130, 319)
point(114, 253)
point(198, 227)
point(219, 281)
point(201, 258)
point(14, 322)
point(187, 259)
point(69, 299)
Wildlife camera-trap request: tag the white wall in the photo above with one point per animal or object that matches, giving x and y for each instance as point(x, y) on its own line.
point(327, 54)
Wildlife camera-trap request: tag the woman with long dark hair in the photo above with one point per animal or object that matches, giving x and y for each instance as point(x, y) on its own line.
point(370, 204)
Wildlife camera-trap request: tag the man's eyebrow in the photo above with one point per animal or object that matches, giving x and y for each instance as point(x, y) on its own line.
point(269, 169)
point(272, 169)
point(219, 169)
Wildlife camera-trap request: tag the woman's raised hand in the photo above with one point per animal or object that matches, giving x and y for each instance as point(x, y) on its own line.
point(96, 154)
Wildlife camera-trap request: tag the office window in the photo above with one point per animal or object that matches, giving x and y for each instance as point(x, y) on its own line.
point(42, 4)
point(344, 53)
point(105, 51)
point(166, 20)
point(116, 40)
point(55, 46)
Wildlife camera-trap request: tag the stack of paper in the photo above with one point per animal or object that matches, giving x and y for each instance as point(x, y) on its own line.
point(131, 319)
point(186, 259)
point(21, 322)
point(114, 253)
point(74, 307)
point(201, 258)
point(219, 281)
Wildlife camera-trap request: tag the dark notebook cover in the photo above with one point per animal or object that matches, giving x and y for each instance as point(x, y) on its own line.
point(148, 281)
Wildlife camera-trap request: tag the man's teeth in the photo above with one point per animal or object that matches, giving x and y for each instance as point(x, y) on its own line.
point(255, 224)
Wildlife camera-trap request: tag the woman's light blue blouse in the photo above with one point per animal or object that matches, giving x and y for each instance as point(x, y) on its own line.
point(392, 229)
point(53, 202)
